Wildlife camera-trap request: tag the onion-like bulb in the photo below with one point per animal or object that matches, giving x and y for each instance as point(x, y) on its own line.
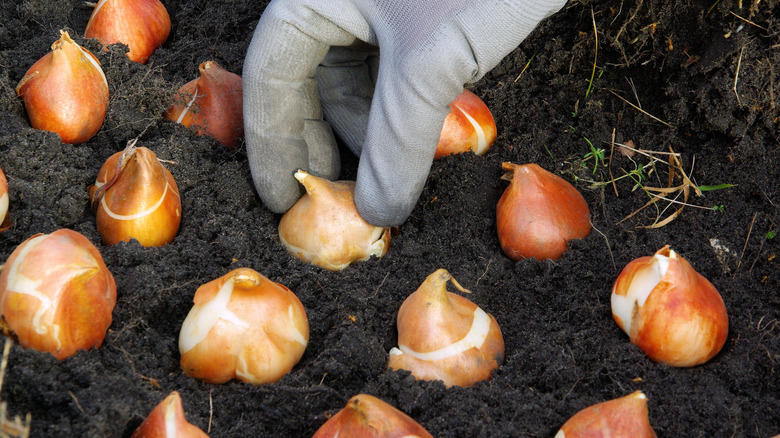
point(136, 197)
point(143, 25)
point(368, 416)
point(66, 92)
point(213, 104)
point(621, 417)
point(670, 311)
point(5, 223)
point(56, 294)
point(444, 336)
point(243, 326)
point(324, 227)
point(468, 127)
point(538, 213)
point(167, 421)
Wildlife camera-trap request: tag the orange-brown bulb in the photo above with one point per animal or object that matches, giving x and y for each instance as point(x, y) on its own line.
point(167, 421)
point(56, 294)
point(243, 326)
point(366, 416)
point(5, 223)
point(670, 311)
point(538, 213)
point(66, 92)
point(621, 417)
point(143, 25)
point(136, 197)
point(443, 336)
point(213, 104)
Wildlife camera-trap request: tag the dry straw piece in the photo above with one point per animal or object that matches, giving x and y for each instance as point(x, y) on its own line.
point(11, 428)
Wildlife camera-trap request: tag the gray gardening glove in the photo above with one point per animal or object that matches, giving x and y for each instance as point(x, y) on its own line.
point(389, 112)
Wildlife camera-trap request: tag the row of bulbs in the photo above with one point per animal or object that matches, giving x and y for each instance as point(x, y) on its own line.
point(669, 310)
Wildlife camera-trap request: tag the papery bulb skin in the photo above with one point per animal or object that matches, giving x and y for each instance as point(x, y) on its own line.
point(4, 201)
point(366, 416)
point(141, 203)
point(167, 421)
point(324, 227)
point(56, 294)
point(213, 104)
point(66, 92)
point(670, 311)
point(444, 336)
point(243, 326)
point(624, 417)
point(538, 213)
point(143, 25)
point(468, 127)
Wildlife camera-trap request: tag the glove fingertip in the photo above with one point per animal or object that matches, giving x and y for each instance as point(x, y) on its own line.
point(381, 210)
point(280, 199)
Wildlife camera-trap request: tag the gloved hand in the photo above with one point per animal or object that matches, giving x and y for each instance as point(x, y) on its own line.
point(388, 110)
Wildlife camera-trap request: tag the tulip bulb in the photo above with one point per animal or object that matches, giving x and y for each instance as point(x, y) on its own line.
point(136, 197)
point(143, 25)
point(324, 227)
point(66, 92)
point(468, 127)
point(213, 104)
point(538, 213)
point(621, 417)
point(56, 294)
point(670, 311)
point(167, 421)
point(5, 223)
point(367, 416)
point(443, 336)
point(243, 326)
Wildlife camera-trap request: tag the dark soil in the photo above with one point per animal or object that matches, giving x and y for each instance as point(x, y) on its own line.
point(712, 77)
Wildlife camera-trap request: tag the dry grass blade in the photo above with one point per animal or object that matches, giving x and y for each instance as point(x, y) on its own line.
point(611, 153)
point(11, 428)
point(524, 68)
point(595, 54)
point(649, 203)
point(662, 193)
point(736, 76)
point(771, 84)
point(747, 239)
point(664, 222)
point(748, 21)
point(640, 109)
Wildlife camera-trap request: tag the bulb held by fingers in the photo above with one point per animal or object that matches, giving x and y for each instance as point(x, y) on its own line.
point(324, 227)
point(670, 311)
point(468, 127)
point(444, 336)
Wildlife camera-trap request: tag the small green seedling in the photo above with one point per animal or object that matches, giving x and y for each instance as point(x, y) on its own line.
point(717, 187)
point(597, 154)
point(549, 153)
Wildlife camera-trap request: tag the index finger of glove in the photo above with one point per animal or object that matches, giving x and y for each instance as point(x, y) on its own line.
point(280, 94)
